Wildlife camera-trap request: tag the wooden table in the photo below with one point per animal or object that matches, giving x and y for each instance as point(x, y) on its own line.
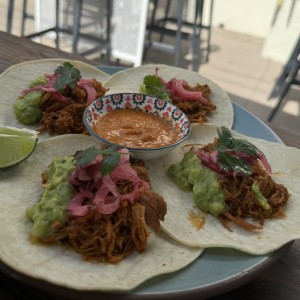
point(280, 281)
point(15, 50)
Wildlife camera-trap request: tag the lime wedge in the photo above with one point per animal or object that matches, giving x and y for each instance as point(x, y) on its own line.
point(16, 145)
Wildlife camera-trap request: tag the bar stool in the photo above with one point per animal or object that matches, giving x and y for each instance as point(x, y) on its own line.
point(25, 16)
point(193, 35)
point(55, 28)
point(75, 31)
point(287, 78)
point(10, 13)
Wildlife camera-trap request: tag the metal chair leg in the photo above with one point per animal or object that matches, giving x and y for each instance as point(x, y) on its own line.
point(291, 79)
point(109, 7)
point(152, 20)
point(209, 30)
point(76, 28)
point(196, 34)
point(178, 33)
point(10, 12)
point(24, 16)
point(57, 23)
point(161, 37)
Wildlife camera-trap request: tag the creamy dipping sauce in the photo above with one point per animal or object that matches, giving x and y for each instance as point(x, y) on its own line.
point(135, 129)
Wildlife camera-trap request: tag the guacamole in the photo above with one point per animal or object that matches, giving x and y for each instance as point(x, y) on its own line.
point(191, 175)
point(38, 81)
point(262, 201)
point(27, 109)
point(52, 206)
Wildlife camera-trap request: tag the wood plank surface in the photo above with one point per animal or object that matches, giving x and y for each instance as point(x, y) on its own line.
point(15, 50)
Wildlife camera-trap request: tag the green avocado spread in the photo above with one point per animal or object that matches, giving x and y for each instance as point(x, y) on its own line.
point(191, 175)
point(27, 109)
point(38, 81)
point(52, 206)
point(262, 201)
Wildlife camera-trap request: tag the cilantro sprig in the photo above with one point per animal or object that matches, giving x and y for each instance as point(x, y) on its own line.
point(230, 149)
point(153, 86)
point(111, 158)
point(68, 75)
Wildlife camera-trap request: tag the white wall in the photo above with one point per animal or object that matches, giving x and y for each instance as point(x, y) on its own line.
point(251, 17)
point(284, 34)
point(254, 17)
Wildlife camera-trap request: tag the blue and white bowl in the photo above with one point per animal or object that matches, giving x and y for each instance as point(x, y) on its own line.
point(145, 103)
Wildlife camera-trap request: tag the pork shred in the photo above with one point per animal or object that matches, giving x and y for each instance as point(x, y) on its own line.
point(242, 203)
point(194, 101)
point(197, 111)
point(112, 237)
point(64, 116)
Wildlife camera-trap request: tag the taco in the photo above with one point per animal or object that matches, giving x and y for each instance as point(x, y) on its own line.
point(212, 204)
point(59, 264)
point(49, 95)
point(99, 202)
point(202, 100)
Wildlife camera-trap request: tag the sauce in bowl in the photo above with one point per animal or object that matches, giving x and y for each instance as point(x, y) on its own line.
point(135, 129)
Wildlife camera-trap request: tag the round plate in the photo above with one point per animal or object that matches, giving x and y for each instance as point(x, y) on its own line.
point(215, 272)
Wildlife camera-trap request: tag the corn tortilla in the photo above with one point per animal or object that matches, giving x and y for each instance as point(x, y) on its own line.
point(285, 163)
point(21, 188)
point(18, 77)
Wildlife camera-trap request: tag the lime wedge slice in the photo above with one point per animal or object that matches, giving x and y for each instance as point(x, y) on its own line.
point(16, 145)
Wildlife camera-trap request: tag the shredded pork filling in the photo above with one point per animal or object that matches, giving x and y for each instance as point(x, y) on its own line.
point(65, 116)
point(196, 111)
point(112, 237)
point(242, 202)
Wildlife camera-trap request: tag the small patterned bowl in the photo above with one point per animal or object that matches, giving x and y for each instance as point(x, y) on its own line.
point(145, 103)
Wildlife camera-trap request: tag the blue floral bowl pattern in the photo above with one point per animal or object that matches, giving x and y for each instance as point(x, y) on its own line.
point(152, 105)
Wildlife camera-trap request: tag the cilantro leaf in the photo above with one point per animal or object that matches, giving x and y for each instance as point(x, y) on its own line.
point(111, 158)
point(110, 162)
point(68, 75)
point(226, 140)
point(233, 163)
point(153, 86)
point(85, 156)
point(230, 149)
